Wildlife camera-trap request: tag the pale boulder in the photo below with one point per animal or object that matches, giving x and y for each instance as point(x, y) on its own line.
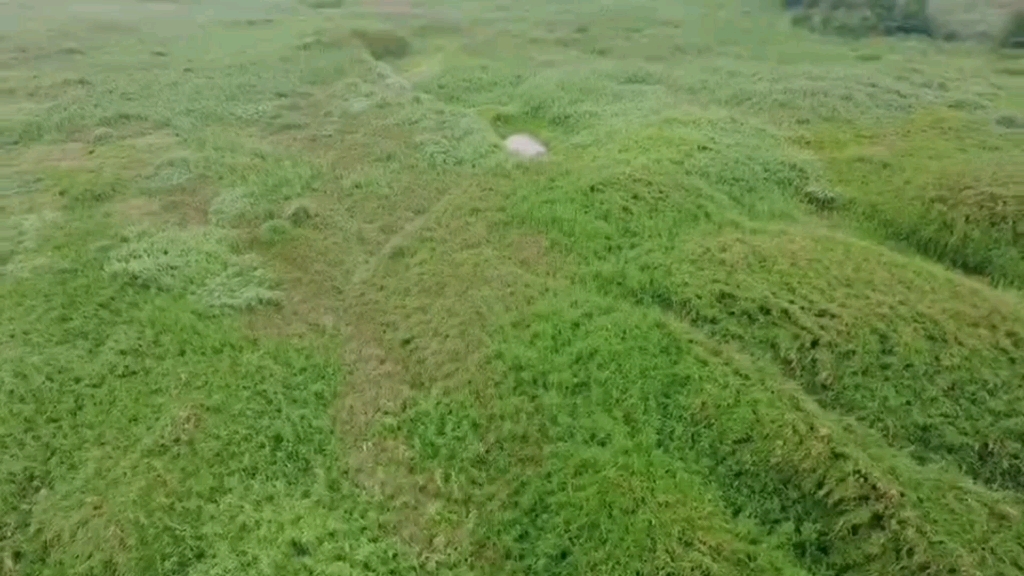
point(525, 146)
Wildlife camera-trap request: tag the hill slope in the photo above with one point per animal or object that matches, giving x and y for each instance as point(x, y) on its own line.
point(277, 301)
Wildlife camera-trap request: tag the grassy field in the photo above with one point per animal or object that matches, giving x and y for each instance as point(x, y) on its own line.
point(276, 301)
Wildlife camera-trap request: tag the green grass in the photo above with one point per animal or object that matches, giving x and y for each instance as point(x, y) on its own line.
point(142, 434)
point(276, 301)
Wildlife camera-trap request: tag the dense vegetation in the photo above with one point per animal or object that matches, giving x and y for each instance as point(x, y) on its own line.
point(998, 21)
point(275, 299)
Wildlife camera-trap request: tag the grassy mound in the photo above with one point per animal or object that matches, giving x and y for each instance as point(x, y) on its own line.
point(897, 369)
point(635, 383)
point(964, 213)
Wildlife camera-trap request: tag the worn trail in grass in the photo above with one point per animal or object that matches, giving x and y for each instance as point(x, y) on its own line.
point(276, 301)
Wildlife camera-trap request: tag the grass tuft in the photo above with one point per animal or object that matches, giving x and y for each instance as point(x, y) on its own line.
point(194, 262)
point(299, 213)
point(821, 198)
point(275, 231)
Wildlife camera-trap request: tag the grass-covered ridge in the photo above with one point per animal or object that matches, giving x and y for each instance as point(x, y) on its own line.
point(276, 301)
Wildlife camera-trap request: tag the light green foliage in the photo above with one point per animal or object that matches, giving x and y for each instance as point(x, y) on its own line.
point(230, 207)
point(276, 301)
point(964, 213)
point(19, 241)
point(198, 263)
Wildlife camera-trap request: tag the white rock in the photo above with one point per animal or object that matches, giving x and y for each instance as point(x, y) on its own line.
point(525, 146)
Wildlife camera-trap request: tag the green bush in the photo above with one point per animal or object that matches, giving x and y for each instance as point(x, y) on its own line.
point(1012, 35)
point(858, 18)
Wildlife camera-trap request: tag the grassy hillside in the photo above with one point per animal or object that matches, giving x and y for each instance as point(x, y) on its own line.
point(276, 301)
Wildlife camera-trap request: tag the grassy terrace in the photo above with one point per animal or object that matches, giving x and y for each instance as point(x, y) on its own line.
point(274, 300)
